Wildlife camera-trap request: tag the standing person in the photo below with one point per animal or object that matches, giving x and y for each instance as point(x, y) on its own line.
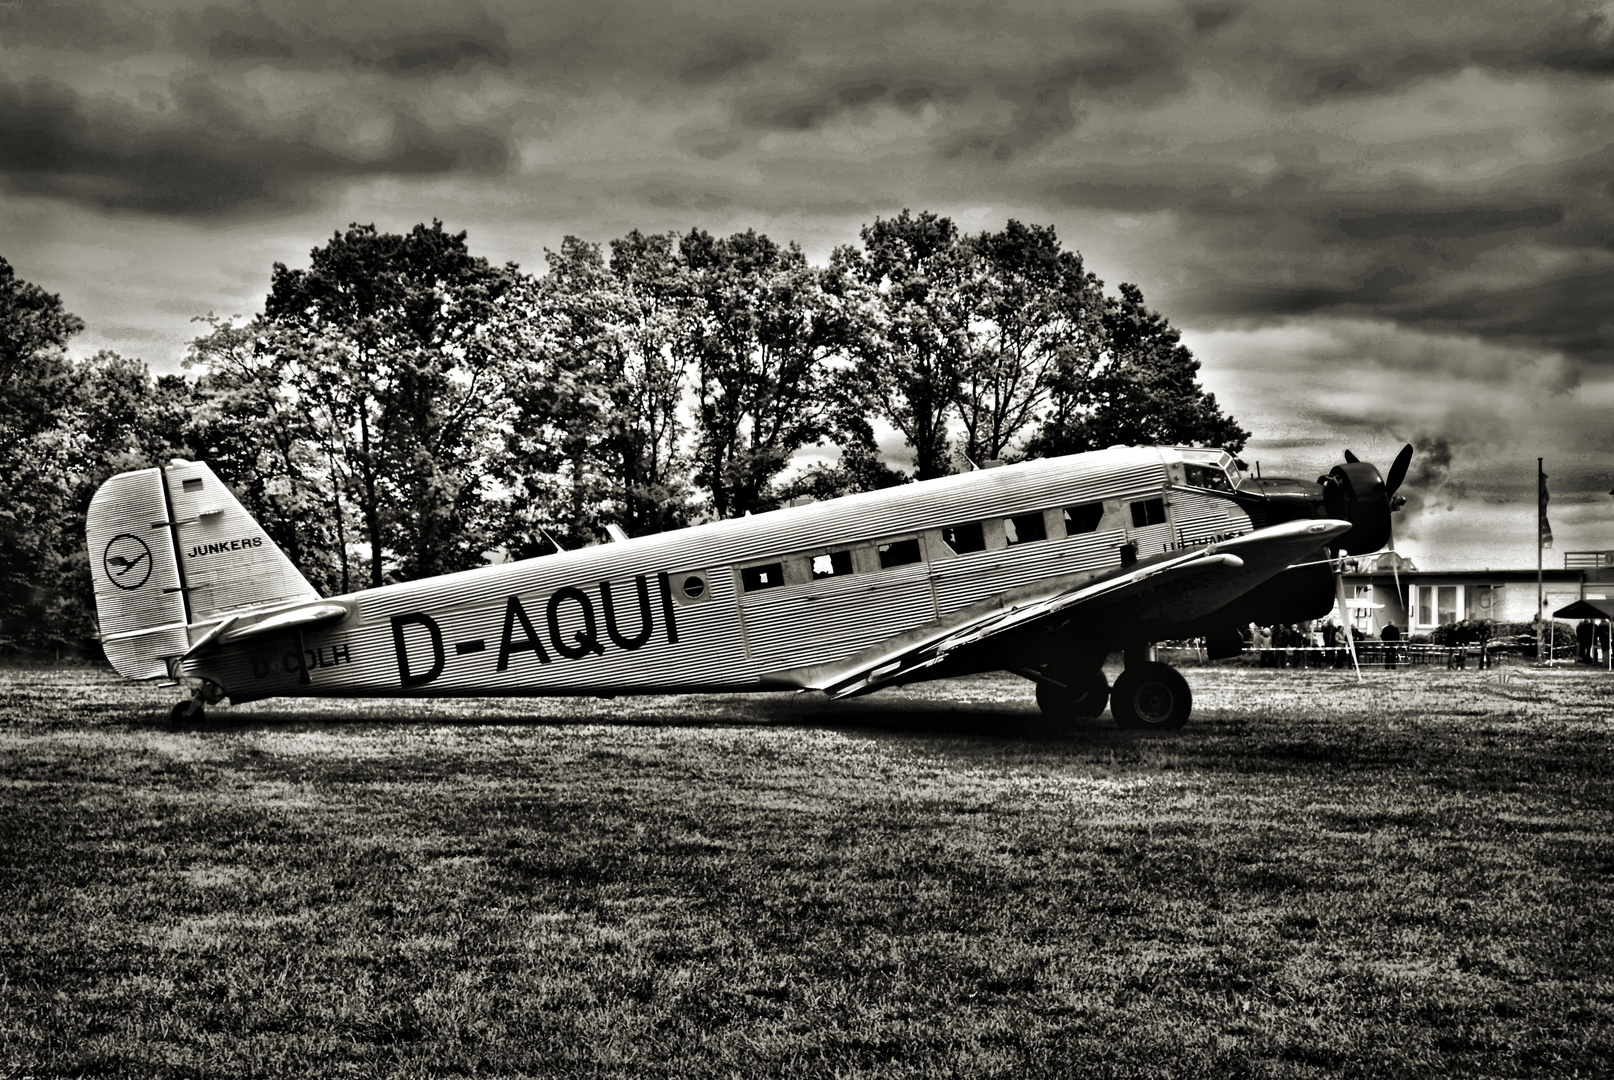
point(1391, 636)
point(1584, 641)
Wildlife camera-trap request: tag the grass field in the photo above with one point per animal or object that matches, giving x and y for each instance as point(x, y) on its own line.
point(1410, 877)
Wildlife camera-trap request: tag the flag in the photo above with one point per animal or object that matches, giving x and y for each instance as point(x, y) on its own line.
point(1543, 529)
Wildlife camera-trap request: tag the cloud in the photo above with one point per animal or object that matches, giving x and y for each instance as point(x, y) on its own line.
point(721, 57)
point(1449, 223)
point(203, 152)
point(426, 50)
point(80, 25)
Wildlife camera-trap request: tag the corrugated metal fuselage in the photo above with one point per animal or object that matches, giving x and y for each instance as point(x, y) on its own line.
point(739, 604)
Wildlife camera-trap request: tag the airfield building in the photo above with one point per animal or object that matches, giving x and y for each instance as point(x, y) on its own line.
point(1388, 588)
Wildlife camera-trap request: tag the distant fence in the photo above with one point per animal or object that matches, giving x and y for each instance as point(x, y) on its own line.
point(1391, 654)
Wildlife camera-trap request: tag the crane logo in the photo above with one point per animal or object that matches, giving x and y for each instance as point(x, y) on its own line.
point(127, 561)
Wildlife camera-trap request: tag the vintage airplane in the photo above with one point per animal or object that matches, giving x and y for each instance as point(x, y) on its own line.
point(1043, 569)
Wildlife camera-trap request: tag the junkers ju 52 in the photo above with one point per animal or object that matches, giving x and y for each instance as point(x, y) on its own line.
point(1043, 569)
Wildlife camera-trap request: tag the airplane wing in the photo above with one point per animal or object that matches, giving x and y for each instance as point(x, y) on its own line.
point(1263, 553)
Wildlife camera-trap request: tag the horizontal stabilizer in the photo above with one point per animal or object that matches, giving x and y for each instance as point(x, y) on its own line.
point(301, 618)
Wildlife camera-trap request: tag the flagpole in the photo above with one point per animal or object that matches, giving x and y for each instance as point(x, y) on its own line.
point(1541, 622)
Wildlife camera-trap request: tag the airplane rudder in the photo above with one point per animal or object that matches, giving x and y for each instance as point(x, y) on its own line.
point(139, 599)
point(228, 559)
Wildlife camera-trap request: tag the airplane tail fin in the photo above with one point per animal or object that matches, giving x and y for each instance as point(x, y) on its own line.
point(173, 552)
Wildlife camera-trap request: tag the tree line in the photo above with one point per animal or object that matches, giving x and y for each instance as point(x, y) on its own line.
point(402, 407)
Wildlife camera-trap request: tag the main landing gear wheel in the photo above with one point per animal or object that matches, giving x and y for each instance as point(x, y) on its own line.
point(1082, 698)
point(1150, 696)
point(188, 712)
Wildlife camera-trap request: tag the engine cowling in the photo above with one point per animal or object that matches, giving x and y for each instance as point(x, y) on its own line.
point(1355, 492)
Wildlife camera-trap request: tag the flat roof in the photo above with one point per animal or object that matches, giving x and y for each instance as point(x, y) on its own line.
point(1475, 575)
point(1586, 609)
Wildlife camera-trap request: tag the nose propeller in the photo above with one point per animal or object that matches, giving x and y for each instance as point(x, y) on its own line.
point(1356, 492)
point(1398, 473)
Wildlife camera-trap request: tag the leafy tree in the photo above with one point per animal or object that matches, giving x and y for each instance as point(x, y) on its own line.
point(765, 324)
point(65, 427)
point(399, 352)
point(917, 270)
point(564, 352)
point(38, 454)
point(859, 467)
point(34, 327)
point(271, 443)
point(1034, 312)
point(1140, 388)
point(648, 388)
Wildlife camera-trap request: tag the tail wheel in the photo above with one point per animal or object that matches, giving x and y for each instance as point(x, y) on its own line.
point(1082, 698)
point(1151, 696)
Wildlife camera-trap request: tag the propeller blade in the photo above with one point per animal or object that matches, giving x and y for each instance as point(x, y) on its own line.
point(1344, 612)
point(1395, 563)
point(1398, 471)
point(1351, 458)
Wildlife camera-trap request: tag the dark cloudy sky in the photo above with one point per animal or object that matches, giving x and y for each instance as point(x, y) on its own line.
point(1375, 224)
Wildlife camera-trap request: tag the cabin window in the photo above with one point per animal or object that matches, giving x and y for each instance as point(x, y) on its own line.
point(1083, 518)
point(1026, 528)
point(691, 587)
point(832, 564)
point(1148, 512)
point(767, 576)
point(899, 553)
point(193, 484)
point(964, 539)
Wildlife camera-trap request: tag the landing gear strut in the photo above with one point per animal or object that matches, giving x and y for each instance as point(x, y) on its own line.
point(191, 710)
point(1150, 696)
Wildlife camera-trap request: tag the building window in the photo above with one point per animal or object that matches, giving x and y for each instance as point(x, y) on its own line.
point(1083, 519)
point(1362, 613)
point(1025, 529)
point(833, 564)
point(766, 576)
point(964, 539)
point(1148, 512)
point(1437, 605)
point(899, 553)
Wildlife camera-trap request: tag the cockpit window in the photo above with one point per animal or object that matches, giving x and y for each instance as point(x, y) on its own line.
point(1207, 476)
